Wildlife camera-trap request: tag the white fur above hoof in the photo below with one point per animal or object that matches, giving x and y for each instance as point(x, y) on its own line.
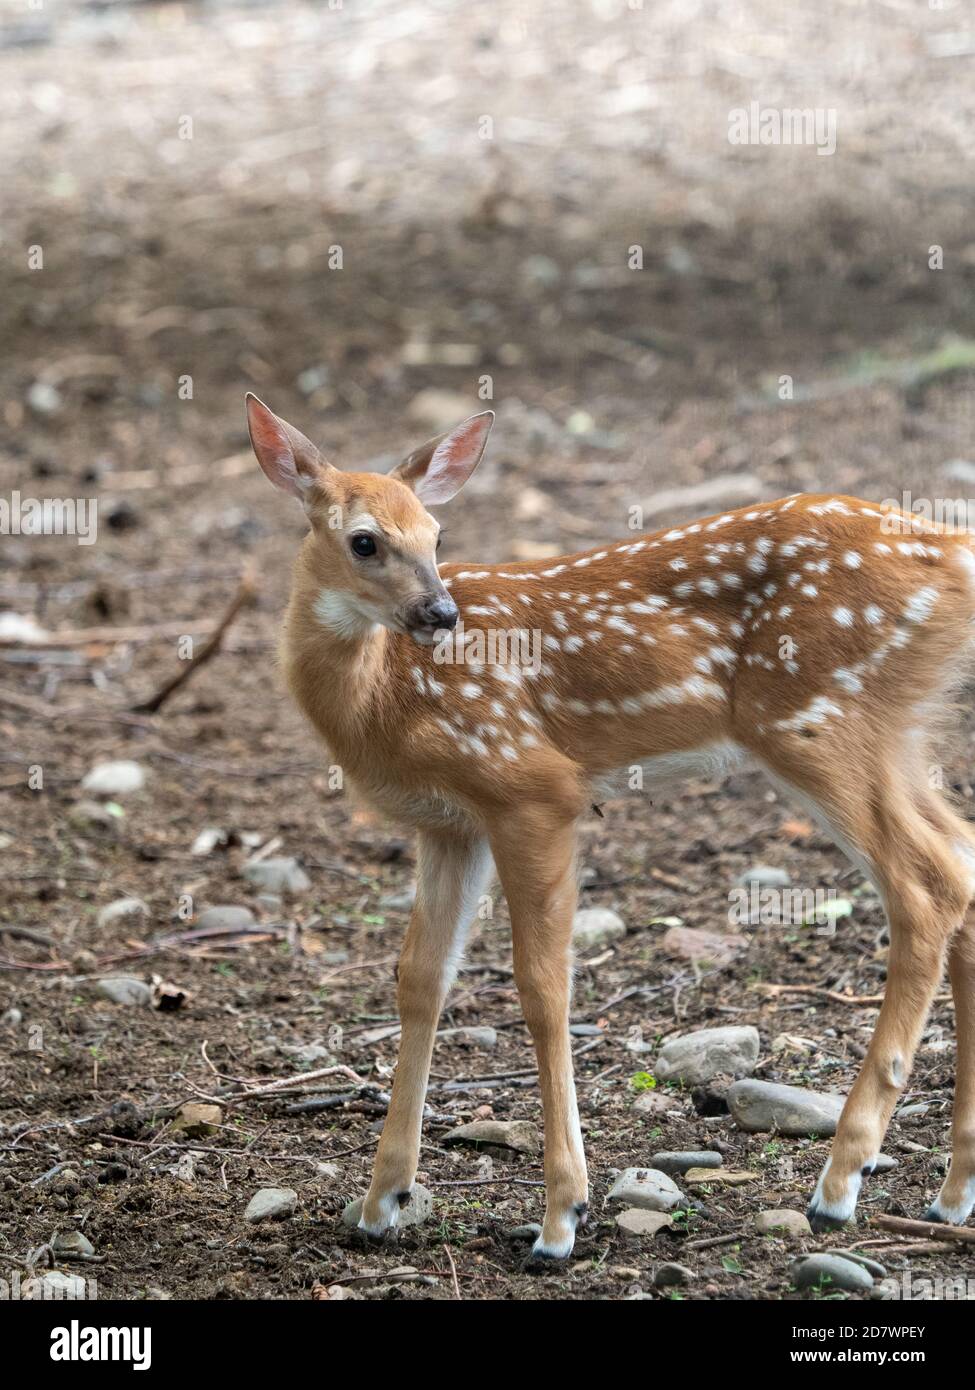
point(386, 1219)
point(956, 1213)
point(824, 1215)
point(395, 1210)
point(557, 1244)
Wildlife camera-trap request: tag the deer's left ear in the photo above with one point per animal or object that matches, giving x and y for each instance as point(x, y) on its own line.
point(441, 467)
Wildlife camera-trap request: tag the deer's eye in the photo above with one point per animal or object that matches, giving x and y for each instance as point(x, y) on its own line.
point(363, 545)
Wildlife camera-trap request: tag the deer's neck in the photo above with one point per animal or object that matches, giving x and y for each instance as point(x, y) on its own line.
point(336, 669)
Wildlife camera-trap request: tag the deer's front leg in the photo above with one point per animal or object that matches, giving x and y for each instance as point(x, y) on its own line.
point(536, 863)
point(452, 871)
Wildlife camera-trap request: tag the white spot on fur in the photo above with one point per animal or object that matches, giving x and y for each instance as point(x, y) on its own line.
point(849, 680)
point(918, 607)
point(817, 712)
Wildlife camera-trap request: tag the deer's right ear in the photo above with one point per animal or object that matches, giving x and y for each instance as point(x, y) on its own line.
point(290, 461)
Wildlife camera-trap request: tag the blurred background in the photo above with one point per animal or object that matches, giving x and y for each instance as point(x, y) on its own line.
point(381, 216)
point(361, 210)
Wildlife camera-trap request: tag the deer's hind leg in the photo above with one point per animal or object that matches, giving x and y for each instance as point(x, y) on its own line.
point(874, 814)
point(954, 1202)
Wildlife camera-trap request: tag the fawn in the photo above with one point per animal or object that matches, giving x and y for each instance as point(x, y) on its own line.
point(662, 650)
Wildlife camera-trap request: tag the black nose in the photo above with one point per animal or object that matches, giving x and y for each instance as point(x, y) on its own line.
point(440, 612)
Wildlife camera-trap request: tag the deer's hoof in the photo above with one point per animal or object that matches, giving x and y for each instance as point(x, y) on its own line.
point(827, 1213)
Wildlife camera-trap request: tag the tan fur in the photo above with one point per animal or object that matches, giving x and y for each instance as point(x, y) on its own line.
point(688, 655)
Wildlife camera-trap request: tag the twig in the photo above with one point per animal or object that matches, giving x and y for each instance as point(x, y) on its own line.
point(714, 1240)
point(485, 1182)
point(836, 997)
point(927, 1230)
point(244, 598)
point(285, 1082)
point(85, 636)
point(453, 1271)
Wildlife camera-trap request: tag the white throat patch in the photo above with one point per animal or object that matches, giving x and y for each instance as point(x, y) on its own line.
point(336, 611)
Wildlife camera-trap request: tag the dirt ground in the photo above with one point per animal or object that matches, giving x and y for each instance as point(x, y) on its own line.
point(176, 274)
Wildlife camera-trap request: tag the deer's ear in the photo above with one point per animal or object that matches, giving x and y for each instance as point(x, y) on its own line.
point(441, 467)
point(290, 461)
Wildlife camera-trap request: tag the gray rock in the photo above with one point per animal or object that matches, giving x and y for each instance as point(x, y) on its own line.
point(760, 1106)
point(541, 270)
point(830, 1272)
point(398, 902)
point(114, 779)
point(11, 1018)
point(884, 1163)
point(656, 1102)
point(647, 1188)
point(530, 1231)
point(699, 1057)
point(595, 926)
point(123, 910)
point(307, 1052)
point(225, 918)
point(270, 902)
point(638, 1221)
point(782, 1221)
point(672, 1163)
point(520, 1135)
point(874, 1267)
point(278, 876)
point(89, 816)
point(271, 1204)
point(121, 989)
point(207, 840)
point(710, 948)
point(44, 398)
point(764, 876)
point(331, 1171)
point(417, 1210)
point(669, 1275)
point(959, 470)
point(485, 1038)
point(441, 410)
point(72, 1244)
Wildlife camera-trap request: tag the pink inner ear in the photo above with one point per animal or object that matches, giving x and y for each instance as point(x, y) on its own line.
point(273, 448)
point(453, 461)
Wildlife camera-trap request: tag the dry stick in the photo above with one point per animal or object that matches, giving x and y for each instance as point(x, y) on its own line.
point(715, 1240)
point(287, 1081)
point(244, 598)
point(928, 1230)
point(485, 1182)
point(85, 636)
point(837, 998)
point(453, 1271)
